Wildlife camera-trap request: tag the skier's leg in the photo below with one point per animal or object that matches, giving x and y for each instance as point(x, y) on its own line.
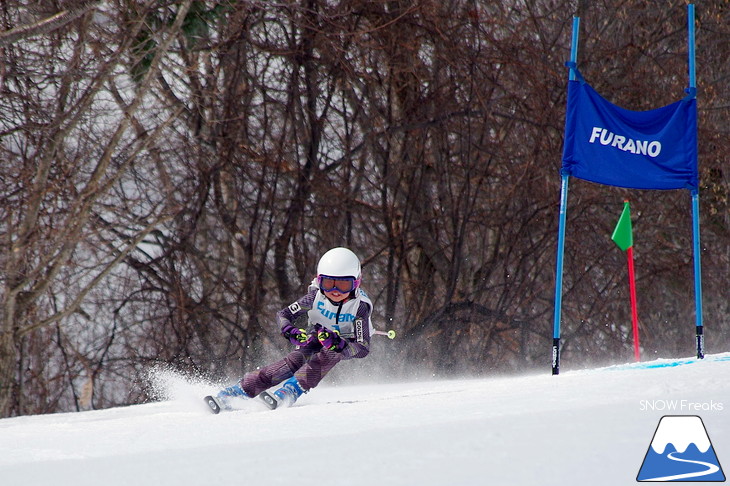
point(310, 374)
point(306, 378)
point(264, 378)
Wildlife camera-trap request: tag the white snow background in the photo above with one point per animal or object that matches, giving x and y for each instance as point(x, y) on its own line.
point(590, 427)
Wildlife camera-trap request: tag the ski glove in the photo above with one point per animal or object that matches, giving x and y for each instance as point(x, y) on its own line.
point(296, 336)
point(331, 340)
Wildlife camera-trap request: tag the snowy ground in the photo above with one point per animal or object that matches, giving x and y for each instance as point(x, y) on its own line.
point(588, 427)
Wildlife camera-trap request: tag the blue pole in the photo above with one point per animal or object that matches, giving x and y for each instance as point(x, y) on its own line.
point(559, 273)
point(699, 328)
point(561, 224)
point(700, 335)
point(691, 25)
point(574, 46)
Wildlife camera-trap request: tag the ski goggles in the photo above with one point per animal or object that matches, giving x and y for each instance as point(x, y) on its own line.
point(341, 284)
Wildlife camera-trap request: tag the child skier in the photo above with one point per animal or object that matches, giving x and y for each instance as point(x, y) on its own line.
point(329, 324)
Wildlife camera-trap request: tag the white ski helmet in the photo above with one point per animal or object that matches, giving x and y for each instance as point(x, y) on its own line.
point(339, 262)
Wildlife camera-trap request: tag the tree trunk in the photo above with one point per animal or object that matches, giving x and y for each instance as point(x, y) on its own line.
point(7, 368)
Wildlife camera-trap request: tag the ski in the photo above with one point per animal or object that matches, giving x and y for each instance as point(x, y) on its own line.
point(215, 407)
point(269, 400)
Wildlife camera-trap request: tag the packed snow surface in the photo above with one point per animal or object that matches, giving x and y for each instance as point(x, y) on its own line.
point(590, 427)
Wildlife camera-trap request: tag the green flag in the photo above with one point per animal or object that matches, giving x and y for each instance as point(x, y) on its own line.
point(622, 235)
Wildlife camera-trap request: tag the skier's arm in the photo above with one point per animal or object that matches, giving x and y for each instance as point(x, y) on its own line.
point(290, 315)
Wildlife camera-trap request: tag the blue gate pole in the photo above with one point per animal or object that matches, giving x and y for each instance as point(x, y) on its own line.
point(559, 273)
point(561, 225)
point(700, 333)
point(699, 328)
point(691, 39)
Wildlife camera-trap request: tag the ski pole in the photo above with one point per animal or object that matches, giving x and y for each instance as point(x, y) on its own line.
point(390, 333)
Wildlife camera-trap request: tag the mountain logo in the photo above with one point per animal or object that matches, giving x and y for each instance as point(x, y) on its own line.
point(681, 451)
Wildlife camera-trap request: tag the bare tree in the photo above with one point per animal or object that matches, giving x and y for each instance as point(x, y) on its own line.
point(61, 166)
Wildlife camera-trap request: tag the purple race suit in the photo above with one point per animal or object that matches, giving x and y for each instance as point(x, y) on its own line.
point(310, 362)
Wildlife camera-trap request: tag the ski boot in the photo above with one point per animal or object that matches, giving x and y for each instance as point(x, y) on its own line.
point(285, 396)
point(222, 401)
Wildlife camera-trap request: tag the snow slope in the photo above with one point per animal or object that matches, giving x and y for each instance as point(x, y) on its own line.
point(583, 427)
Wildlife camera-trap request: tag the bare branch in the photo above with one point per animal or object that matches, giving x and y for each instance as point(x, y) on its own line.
point(47, 25)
